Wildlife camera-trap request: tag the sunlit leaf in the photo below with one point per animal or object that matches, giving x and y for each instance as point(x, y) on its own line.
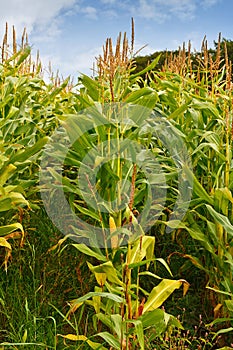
point(160, 293)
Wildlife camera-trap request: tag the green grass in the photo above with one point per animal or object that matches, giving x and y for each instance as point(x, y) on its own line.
point(37, 284)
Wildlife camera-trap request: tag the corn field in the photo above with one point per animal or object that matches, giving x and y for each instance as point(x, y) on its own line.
point(119, 187)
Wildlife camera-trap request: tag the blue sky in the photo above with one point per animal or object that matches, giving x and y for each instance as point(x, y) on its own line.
point(70, 33)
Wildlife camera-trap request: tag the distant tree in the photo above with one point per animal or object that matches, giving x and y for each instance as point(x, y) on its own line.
point(225, 45)
point(221, 47)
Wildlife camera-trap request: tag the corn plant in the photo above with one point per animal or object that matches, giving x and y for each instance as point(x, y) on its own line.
point(198, 100)
point(118, 300)
point(28, 109)
point(108, 168)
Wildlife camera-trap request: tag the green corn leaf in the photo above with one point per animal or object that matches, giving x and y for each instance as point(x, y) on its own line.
point(140, 263)
point(54, 93)
point(96, 346)
point(76, 129)
point(196, 233)
point(117, 324)
point(148, 101)
point(197, 187)
point(110, 339)
point(223, 331)
point(148, 273)
point(221, 219)
point(209, 106)
point(90, 252)
point(30, 151)
point(163, 262)
point(105, 319)
point(208, 145)
point(92, 86)
point(229, 304)
point(78, 302)
point(155, 319)
point(138, 331)
point(13, 57)
point(150, 67)
point(88, 212)
point(222, 197)
point(23, 55)
point(138, 94)
point(179, 111)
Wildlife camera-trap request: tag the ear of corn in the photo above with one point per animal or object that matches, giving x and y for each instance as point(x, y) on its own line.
point(114, 237)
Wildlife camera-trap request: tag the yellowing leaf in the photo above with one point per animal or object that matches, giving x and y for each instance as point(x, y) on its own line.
point(74, 307)
point(4, 230)
point(96, 302)
point(100, 278)
point(59, 243)
point(217, 310)
point(143, 247)
point(4, 243)
point(108, 269)
point(186, 286)
point(73, 337)
point(24, 338)
point(161, 292)
point(6, 173)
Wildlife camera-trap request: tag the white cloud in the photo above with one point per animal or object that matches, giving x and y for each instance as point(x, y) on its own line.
point(209, 3)
point(110, 13)
point(75, 63)
point(108, 2)
point(42, 14)
point(149, 10)
point(182, 8)
point(161, 10)
point(90, 12)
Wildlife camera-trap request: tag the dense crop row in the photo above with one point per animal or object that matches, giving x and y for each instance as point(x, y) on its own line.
point(120, 163)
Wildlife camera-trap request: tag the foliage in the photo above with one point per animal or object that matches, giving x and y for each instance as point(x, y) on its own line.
point(116, 299)
point(127, 153)
point(28, 109)
point(209, 218)
point(121, 125)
